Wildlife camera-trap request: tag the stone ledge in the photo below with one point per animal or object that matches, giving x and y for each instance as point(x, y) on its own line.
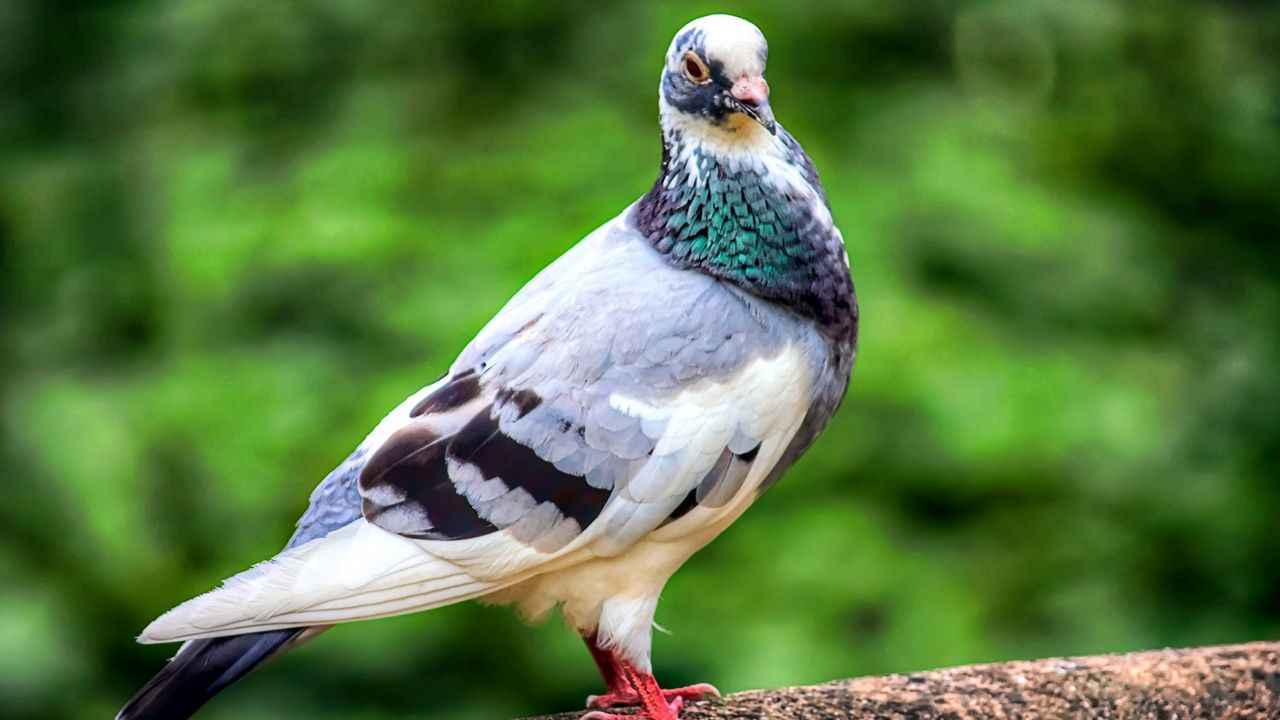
point(1229, 682)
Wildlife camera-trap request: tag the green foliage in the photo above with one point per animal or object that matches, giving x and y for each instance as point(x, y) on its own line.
point(236, 233)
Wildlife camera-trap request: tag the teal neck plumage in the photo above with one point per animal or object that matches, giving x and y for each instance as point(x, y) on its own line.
point(726, 219)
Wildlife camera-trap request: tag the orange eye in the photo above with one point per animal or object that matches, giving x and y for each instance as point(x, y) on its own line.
point(695, 69)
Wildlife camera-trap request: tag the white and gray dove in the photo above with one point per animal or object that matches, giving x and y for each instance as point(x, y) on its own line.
point(622, 410)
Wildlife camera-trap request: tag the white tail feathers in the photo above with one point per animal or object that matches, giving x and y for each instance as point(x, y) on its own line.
point(355, 573)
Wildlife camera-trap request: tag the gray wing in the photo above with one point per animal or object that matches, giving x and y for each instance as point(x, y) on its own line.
point(615, 399)
point(613, 395)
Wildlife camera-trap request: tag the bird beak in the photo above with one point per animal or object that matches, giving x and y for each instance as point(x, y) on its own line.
point(750, 95)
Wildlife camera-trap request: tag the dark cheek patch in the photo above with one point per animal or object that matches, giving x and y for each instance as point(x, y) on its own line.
point(707, 100)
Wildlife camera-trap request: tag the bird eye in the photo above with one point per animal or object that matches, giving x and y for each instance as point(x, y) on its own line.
point(695, 69)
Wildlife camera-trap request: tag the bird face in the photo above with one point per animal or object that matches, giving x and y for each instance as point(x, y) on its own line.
point(714, 75)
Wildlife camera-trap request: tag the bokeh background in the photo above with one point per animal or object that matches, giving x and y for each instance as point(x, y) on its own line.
point(235, 233)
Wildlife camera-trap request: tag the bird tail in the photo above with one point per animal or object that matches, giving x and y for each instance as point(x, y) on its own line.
point(357, 572)
point(202, 668)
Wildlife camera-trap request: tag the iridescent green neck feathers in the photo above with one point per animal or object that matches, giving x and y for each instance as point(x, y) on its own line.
point(756, 219)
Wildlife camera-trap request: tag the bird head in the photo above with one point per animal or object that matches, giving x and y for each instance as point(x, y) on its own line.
point(713, 79)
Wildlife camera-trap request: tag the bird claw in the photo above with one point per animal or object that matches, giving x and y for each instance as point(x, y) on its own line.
point(628, 685)
point(689, 693)
point(673, 713)
point(693, 693)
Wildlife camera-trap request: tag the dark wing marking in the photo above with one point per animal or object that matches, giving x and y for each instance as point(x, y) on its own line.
point(524, 400)
point(461, 390)
point(407, 490)
point(720, 484)
point(476, 480)
point(498, 457)
point(689, 502)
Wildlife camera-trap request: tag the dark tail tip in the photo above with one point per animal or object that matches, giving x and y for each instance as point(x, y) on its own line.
point(201, 669)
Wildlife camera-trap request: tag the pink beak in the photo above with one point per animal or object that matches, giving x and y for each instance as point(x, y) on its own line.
point(751, 93)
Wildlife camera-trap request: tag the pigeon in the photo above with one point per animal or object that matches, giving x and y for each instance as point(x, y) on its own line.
point(626, 406)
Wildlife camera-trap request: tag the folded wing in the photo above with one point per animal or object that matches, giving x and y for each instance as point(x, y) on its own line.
point(588, 415)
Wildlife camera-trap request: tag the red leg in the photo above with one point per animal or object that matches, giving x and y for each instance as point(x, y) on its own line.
point(617, 690)
point(627, 685)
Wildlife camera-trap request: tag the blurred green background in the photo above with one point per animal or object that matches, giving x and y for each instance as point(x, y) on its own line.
point(237, 232)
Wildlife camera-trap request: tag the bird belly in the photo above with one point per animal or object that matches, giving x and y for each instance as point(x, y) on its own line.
point(613, 596)
point(616, 596)
point(580, 589)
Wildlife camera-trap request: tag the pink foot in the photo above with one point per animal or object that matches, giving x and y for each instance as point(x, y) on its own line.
point(625, 684)
point(624, 697)
point(670, 712)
